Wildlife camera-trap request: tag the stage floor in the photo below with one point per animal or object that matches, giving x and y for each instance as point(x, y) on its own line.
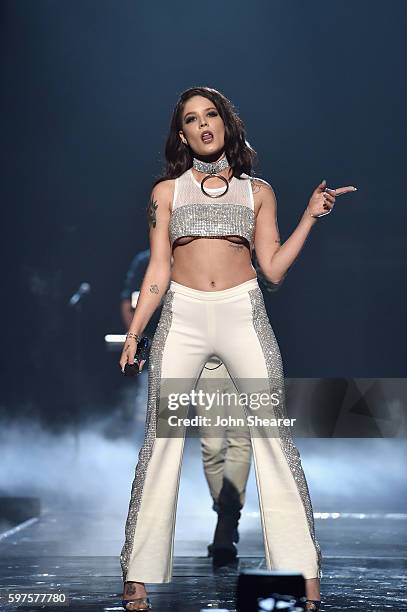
point(364, 563)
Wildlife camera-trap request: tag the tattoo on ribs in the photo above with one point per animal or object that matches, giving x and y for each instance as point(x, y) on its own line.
point(236, 246)
point(151, 212)
point(154, 289)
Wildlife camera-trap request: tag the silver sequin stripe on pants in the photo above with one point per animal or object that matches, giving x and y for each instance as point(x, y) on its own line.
point(154, 376)
point(275, 372)
point(232, 324)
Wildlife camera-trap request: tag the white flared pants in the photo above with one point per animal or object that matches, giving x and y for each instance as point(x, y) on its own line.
point(233, 325)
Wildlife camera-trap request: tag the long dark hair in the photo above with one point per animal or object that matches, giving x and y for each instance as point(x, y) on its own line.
point(179, 157)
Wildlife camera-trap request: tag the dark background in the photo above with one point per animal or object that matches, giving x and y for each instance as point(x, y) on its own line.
point(87, 92)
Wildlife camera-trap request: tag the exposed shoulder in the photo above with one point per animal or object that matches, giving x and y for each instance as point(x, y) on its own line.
point(164, 187)
point(263, 193)
point(164, 192)
point(259, 185)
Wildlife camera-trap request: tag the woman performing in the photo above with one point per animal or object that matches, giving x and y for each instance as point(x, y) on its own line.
point(213, 306)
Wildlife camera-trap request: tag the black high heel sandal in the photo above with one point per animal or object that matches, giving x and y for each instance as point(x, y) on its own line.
point(314, 607)
point(139, 600)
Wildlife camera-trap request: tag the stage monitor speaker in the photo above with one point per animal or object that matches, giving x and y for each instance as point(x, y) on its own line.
point(260, 591)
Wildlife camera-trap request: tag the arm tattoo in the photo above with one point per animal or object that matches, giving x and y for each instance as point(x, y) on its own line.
point(154, 289)
point(259, 184)
point(151, 210)
point(255, 185)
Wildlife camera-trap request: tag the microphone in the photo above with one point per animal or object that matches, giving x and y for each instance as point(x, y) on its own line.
point(84, 288)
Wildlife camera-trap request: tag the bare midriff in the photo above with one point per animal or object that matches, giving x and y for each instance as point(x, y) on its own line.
point(211, 264)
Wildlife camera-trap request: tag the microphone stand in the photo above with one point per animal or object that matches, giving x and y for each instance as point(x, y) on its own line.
point(76, 302)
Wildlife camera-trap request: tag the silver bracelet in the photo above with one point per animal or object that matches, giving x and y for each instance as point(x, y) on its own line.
point(318, 216)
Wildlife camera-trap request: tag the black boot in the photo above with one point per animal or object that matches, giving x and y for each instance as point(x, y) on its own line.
point(222, 526)
point(228, 506)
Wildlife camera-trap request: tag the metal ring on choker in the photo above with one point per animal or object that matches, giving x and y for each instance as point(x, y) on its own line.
point(218, 176)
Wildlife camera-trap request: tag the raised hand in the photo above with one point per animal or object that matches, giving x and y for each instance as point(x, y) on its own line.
point(323, 199)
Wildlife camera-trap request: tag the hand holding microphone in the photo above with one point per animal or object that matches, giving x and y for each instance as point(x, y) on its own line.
point(134, 354)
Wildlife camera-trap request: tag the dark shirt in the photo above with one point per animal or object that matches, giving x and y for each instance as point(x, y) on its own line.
point(135, 275)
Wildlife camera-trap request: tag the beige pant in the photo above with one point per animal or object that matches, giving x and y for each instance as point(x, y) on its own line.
point(227, 456)
point(233, 325)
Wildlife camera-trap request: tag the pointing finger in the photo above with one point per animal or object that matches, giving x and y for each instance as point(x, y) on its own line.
point(342, 190)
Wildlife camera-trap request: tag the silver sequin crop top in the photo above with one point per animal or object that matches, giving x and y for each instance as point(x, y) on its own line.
point(195, 214)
